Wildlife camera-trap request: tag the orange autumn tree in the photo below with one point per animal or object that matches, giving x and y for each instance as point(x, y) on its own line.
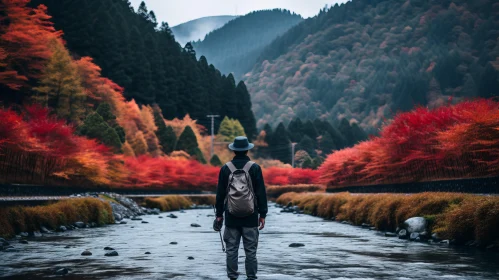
point(24, 42)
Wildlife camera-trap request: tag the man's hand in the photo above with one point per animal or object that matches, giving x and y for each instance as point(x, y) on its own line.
point(219, 219)
point(261, 222)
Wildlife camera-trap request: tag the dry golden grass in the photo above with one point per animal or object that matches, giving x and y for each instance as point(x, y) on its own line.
point(20, 219)
point(461, 217)
point(203, 199)
point(176, 202)
point(274, 192)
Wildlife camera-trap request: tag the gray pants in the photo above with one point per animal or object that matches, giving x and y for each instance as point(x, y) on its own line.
point(232, 238)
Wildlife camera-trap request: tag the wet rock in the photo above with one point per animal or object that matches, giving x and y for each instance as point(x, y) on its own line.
point(62, 228)
point(92, 224)
point(390, 234)
point(195, 225)
point(145, 222)
point(290, 204)
point(365, 225)
point(155, 211)
point(161, 217)
point(67, 247)
point(108, 249)
point(112, 254)
point(9, 249)
point(374, 228)
point(24, 234)
point(173, 243)
point(296, 245)
point(86, 253)
point(435, 237)
point(182, 211)
point(136, 219)
point(147, 253)
point(36, 234)
point(445, 242)
point(79, 224)
point(61, 271)
point(23, 241)
point(210, 215)
point(415, 224)
point(44, 230)
point(172, 216)
point(4, 242)
point(125, 206)
point(190, 258)
point(122, 223)
point(414, 236)
point(333, 219)
point(403, 234)
point(346, 223)
point(117, 216)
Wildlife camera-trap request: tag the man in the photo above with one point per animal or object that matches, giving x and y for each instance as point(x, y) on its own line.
point(248, 226)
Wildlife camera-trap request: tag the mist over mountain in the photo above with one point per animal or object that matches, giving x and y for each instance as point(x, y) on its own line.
point(365, 60)
point(198, 28)
point(235, 47)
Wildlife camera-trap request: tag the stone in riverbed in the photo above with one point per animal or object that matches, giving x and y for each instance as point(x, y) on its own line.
point(108, 249)
point(195, 225)
point(173, 243)
point(62, 229)
point(23, 241)
point(67, 247)
point(61, 271)
point(36, 234)
point(365, 225)
point(435, 237)
point(402, 234)
point(136, 219)
point(4, 242)
point(190, 258)
point(155, 211)
point(44, 230)
point(86, 253)
point(415, 224)
point(390, 234)
point(122, 223)
point(147, 253)
point(172, 216)
point(24, 234)
point(414, 236)
point(296, 245)
point(79, 224)
point(112, 254)
point(145, 222)
point(161, 217)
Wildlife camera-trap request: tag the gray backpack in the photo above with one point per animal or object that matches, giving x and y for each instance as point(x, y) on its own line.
point(240, 198)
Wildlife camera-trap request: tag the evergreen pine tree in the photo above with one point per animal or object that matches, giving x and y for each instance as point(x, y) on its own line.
point(327, 144)
point(215, 161)
point(307, 144)
point(166, 135)
point(280, 146)
point(188, 143)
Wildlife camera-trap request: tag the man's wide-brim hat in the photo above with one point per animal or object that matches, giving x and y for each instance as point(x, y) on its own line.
point(241, 143)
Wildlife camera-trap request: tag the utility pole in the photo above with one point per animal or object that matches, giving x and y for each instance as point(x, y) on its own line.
point(293, 154)
point(212, 131)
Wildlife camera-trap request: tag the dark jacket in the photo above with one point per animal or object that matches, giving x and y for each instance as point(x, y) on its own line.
point(258, 187)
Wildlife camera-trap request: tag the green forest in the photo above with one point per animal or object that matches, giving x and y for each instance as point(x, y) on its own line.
point(235, 47)
point(142, 56)
point(367, 60)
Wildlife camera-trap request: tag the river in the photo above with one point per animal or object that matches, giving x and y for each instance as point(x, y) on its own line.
point(332, 251)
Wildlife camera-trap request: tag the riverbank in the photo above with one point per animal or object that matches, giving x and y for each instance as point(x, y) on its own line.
point(87, 210)
point(455, 218)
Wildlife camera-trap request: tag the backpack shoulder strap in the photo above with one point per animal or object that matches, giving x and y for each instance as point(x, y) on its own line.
point(231, 166)
point(248, 165)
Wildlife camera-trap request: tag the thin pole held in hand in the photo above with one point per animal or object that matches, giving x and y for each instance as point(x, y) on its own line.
point(220, 232)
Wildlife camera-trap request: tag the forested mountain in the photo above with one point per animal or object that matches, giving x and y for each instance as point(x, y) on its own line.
point(198, 28)
point(367, 59)
point(235, 47)
point(145, 59)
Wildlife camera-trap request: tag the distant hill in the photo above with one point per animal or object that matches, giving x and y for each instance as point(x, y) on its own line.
point(235, 47)
point(366, 60)
point(196, 29)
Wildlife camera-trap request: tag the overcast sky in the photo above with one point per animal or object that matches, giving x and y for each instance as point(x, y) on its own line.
point(179, 11)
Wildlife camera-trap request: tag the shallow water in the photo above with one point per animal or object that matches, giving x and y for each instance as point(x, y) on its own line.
point(332, 251)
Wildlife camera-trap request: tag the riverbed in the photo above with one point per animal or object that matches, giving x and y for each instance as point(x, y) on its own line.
point(332, 251)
